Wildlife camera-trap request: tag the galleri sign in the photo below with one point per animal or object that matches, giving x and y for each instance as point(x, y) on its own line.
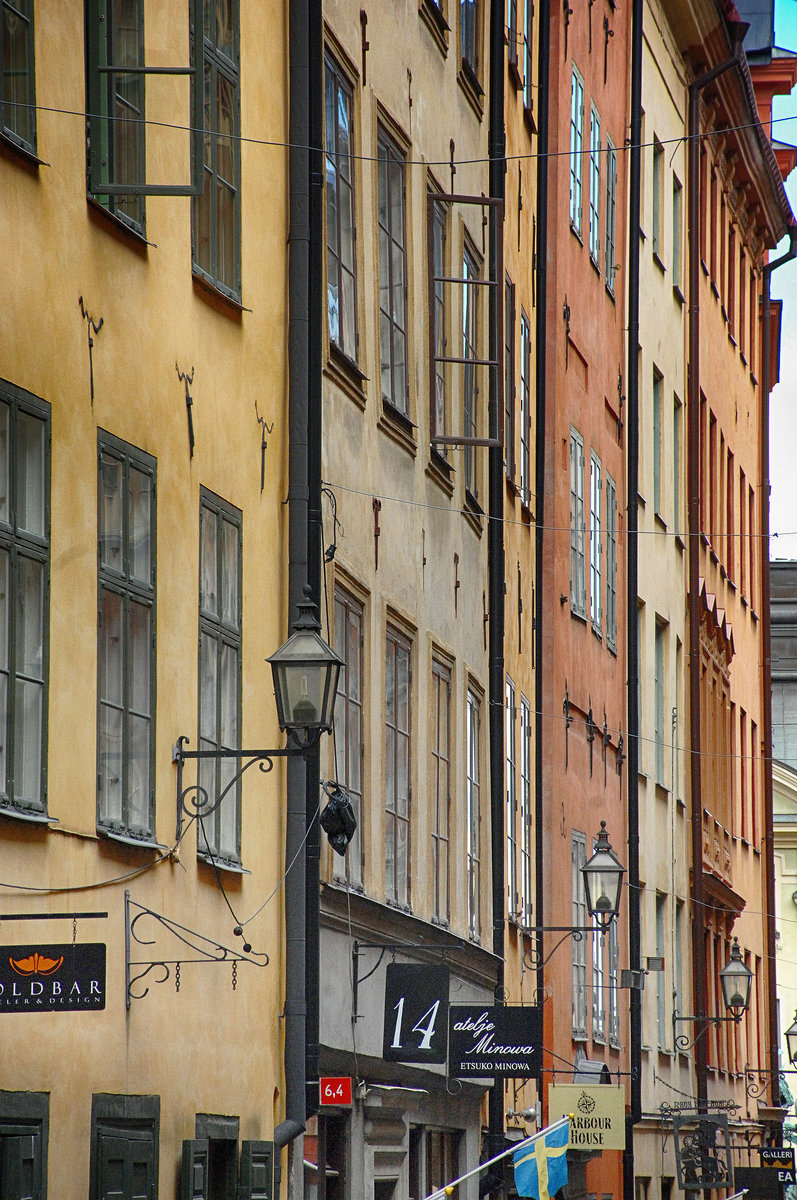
point(52, 978)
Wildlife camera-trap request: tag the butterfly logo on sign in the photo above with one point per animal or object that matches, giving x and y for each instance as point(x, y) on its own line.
point(36, 964)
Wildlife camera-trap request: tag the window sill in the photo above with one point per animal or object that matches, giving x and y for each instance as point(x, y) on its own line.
point(680, 543)
point(514, 73)
point(576, 232)
point(528, 117)
point(346, 374)
point(610, 292)
point(578, 616)
point(659, 520)
point(436, 23)
point(221, 864)
point(703, 265)
point(732, 339)
point(743, 357)
point(125, 233)
point(473, 512)
point(744, 601)
point(440, 471)
point(731, 584)
point(597, 631)
point(715, 290)
point(26, 814)
point(228, 306)
point(678, 294)
point(754, 615)
point(398, 427)
point(595, 264)
point(657, 260)
point(474, 92)
point(129, 839)
point(24, 155)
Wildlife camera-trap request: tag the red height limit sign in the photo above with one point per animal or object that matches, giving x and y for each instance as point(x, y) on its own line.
point(335, 1089)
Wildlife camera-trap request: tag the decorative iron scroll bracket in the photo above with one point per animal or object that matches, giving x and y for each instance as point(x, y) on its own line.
point(533, 958)
point(187, 379)
point(682, 1040)
point(92, 327)
point(206, 950)
point(193, 801)
point(756, 1079)
point(357, 949)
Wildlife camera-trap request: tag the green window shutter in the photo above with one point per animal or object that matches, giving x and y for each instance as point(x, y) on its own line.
point(257, 1171)
point(194, 1176)
point(126, 1165)
point(20, 1166)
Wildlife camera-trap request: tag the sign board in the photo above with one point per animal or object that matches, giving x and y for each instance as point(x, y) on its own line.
point(52, 978)
point(762, 1183)
point(781, 1157)
point(503, 1039)
point(334, 1089)
point(597, 1120)
point(702, 1151)
point(416, 1013)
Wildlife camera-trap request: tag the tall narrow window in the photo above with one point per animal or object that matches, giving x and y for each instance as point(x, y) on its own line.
point(470, 352)
point(752, 541)
point(348, 732)
point(578, 586)
point(525, 409)
point(677, 218)
point(594, 185)
point(220, 565)
point(216, 215)
point(341, 244)
point(742, 533)
point(610, 215)
point(115, 44)
point(126, 686)
point(441, 784)
point(712, 212)
point(744, 772)
point(676, 464)
point(742, 301)
point(576, 147)
point(730, 516)
point(732, 281)
point(470, 35)
point(511, 802)
point(678, 982)
point(438, 332)
point(661, 976)
point(657, 439)
point(17, 78)
point(753, 309)
point(578, 856)
point(392, 272)
point(660, 717)
point(24, 598)
point(525, 813)
point(611, 563)
point(613, 984)
point(598, 984)
point(509, 378)
point(658, 199)
point(528, 56)
point(473, 813)
point(595, 542)
point(512, 32)
point(397, 768)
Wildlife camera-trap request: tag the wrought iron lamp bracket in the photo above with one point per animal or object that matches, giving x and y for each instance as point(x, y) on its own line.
point(756, 1079)
point(194, 802)
point(533, 958)
point(682, 1040)
point(383, 947)
point(206, 950)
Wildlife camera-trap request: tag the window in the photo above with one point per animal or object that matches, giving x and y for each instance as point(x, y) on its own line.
point(24, 1134)
point(730, 515)
point(661, 976)
point(578, 856)
point(657, 437)
point(660, 718)
point(509, 378)
point(470, 35)
point(220, 555)
point(392, 272)
point(124, 1146)
point(348, 730)
point(595, 543)
point(397, 768)
point(677, 199)
point(126, 686)
point(742, 300)
point(676, 464)
point(216, 215)
point(439, 220)
point(742, 533)
point(511, 803)
point(753, 310)
point(470, 353)
point(594, 185)
point(578, 587)
point(511, 31)
point(679, 955)
point(731, 286)
point(576, 142)
point(442, 1158)
point(117, 146)
point(341, 244)
point(528, 56)
point(525, 813)
point(17, 80)
point(611, 563)
point(525, 409)
point(614, 984)
point(598, 984)
point(24, 598)
point(610, 215)
point(658, 199)
point(441, 784)
point(473, 813)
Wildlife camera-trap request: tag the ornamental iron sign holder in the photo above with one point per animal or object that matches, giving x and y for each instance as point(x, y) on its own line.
point(702, 1151)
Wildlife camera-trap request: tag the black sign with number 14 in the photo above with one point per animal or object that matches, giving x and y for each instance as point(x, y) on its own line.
point(416, 1014)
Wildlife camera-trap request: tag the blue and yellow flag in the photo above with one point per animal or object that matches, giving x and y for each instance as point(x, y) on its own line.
point(541, 1168)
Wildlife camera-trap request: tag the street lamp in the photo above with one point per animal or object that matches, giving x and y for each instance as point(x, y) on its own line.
point(791, 1041)
point(603, 881)
point(736, 980)
point(306, 674)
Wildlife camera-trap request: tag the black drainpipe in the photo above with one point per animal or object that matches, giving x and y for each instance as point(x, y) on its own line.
point(634, 1114)
point(769, 841)
point(495, 565)
point(737, 31)
point(295, 1012)
point(540, 350)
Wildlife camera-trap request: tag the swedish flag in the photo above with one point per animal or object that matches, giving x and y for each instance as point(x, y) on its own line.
point(541, 1167)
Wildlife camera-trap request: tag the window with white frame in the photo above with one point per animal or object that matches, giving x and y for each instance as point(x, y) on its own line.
point(509, 378)
point(611, 563)
point(677, 218)
point(473, 813)
point(576, 148)
point(511, 31)
point(613, 981)
point(598, 983)
point(595, 542)
point(348, 731)
point(391, 222)
point(528, 56)
point(470, 353)
point(511, 802)
point(658, 199)
point(439, 329)
point(578, 857)
point(657, 439)
point(578, 585)
point(661, 980)
point(397, 768)
point(441, 783)
point(610, 216)
point(594, 185)
point(660, 713)
point(341, 223)
point(525, 409)
point(525, 813)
